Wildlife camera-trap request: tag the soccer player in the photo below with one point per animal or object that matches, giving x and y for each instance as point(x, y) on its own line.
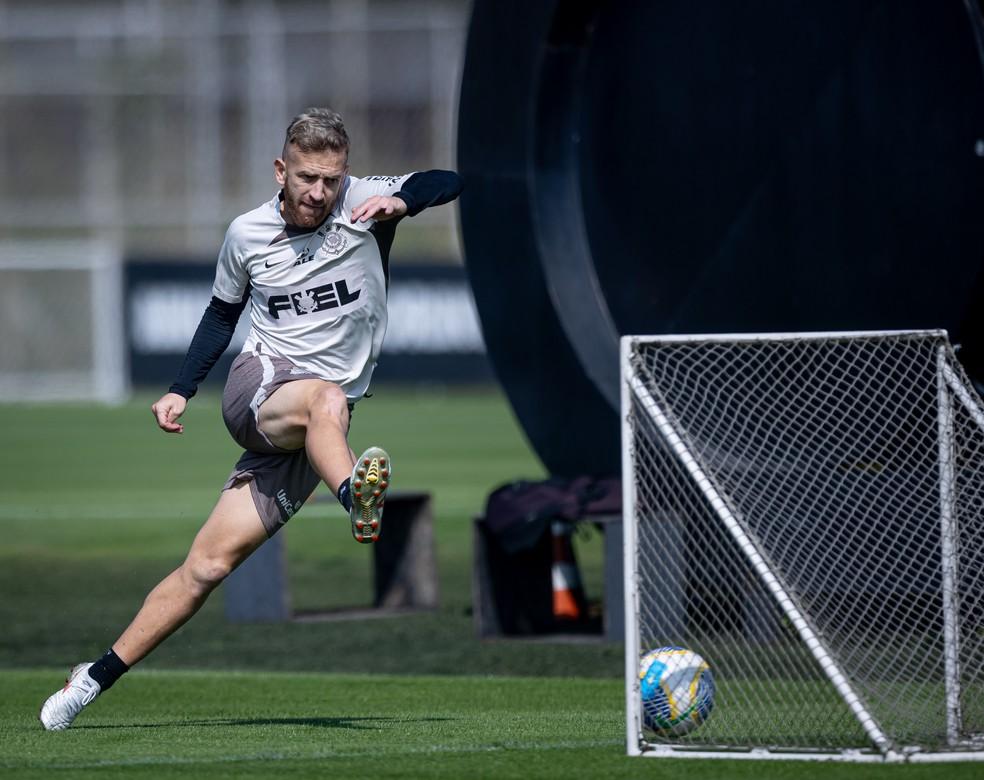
point(312, 265)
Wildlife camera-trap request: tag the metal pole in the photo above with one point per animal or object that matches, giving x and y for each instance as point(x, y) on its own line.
point(204, 178)
point(633, 700)
point(267, 108)
point(948, 551)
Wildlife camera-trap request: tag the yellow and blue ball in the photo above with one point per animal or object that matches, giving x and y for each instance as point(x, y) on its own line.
point(677, 691)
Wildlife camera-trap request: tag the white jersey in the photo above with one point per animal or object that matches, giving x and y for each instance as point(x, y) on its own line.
point(318, 297)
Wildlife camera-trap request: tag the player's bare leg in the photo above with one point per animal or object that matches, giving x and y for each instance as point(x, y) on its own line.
point(314, 414)
point(232, 531)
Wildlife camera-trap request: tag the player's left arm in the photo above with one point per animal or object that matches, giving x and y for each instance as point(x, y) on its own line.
point(416, 192)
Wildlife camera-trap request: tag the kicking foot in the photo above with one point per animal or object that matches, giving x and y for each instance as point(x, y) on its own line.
point(370, 478)
point(62, 707)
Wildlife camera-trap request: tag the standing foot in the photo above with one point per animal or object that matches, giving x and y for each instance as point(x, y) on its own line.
point(63, 706)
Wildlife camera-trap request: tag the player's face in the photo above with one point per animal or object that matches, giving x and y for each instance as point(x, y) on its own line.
point(311, 182)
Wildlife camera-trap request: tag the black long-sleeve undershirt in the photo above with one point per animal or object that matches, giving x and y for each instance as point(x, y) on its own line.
point(211, 339)
point(429, 188)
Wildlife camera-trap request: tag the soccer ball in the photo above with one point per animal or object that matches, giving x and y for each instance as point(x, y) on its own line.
point(677, 691)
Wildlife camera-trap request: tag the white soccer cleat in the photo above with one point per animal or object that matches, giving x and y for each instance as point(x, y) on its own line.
point(370, 479)
point(62, 707)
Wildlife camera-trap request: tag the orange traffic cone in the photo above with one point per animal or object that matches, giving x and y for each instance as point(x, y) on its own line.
point(568, 593)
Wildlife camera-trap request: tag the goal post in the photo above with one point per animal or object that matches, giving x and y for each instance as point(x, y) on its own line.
point(806, 512)
point(62, 320)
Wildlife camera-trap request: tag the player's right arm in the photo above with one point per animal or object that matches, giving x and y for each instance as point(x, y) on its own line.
point(167, 410)
point(212, 337)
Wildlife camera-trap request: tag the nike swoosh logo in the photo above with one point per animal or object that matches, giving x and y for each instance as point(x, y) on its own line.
point(268, 265)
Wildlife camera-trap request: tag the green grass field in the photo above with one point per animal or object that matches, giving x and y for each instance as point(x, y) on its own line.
point(96, 505)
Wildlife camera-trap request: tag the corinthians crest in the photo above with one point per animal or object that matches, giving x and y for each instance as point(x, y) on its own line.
point(335, 242)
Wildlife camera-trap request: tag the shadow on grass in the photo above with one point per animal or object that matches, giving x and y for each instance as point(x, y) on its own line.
point(360, 723)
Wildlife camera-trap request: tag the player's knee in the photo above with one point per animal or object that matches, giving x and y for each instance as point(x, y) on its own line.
point(205, 573)
point(330, 402)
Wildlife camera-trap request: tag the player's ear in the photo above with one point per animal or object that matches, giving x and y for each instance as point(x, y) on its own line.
point(280, 171)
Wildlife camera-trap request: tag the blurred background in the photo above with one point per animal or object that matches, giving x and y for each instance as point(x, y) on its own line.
point(155, 122)
point(134, 131)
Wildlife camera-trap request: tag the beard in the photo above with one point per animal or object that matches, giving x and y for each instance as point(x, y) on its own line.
point(297, 213)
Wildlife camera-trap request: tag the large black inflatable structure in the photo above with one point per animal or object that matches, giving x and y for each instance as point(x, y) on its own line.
point(712, 167)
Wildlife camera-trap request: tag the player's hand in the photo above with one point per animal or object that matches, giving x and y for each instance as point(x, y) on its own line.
point(380, 208)
point(167, 411)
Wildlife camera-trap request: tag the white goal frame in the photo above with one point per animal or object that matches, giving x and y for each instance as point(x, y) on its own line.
point(951, 391)
point(107, 378)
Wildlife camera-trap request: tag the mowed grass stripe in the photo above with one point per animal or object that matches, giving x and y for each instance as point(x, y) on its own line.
point(161, 719)
point(384, 752)
point(219, 725)
point(202, 709)
point(170, 724)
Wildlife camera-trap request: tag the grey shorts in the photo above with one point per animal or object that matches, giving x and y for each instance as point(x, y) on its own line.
point(280, 480)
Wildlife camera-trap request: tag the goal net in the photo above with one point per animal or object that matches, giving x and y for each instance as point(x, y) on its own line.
point(806, 512)
point(61, 316)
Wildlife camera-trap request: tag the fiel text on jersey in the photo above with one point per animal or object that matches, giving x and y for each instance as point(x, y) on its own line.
point(325, 296)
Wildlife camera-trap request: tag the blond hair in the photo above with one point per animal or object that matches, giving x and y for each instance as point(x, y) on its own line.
point(317, 130)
